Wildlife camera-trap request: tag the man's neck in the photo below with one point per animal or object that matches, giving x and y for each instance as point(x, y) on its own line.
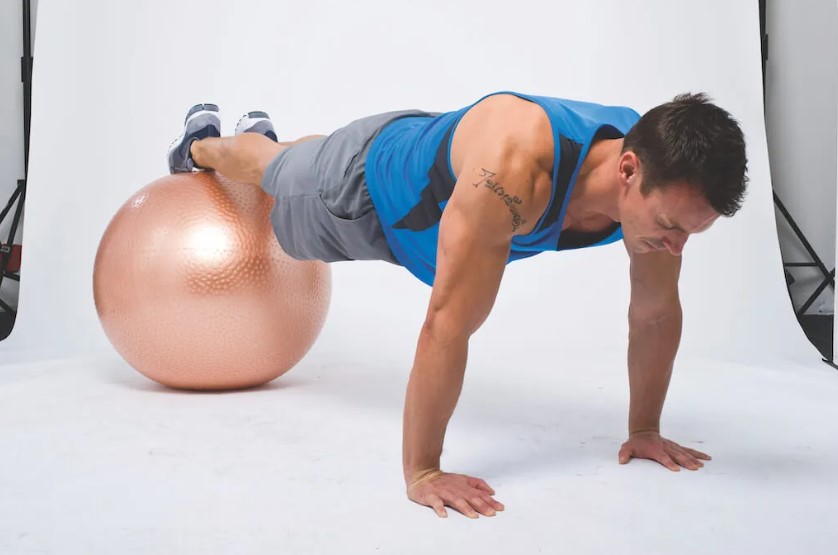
point(597, 189)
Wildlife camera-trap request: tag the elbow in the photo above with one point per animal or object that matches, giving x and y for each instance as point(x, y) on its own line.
point(443, 329)
point(641, 316)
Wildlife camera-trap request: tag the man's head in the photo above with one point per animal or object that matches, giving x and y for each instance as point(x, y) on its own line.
point(682, 166)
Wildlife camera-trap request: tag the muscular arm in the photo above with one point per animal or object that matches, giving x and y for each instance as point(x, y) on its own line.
point(502, 155)
point(501, 158)
point(470, 264)
point(654, 335)
point(475, 235)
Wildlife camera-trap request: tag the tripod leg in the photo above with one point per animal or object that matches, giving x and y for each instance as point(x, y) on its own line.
point(6, 256)
point(10, 204)
point(830, 279)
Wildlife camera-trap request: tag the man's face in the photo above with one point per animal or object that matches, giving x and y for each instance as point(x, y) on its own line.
point(665, 218)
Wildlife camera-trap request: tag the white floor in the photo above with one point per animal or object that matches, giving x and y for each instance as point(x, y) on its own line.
point(96, 459)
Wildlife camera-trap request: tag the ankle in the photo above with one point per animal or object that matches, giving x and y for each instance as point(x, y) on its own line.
point(197, 151)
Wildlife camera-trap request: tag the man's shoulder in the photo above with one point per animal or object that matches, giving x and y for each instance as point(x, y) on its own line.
point(521, 123)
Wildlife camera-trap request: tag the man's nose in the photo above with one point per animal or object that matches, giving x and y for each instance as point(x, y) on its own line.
point(675, 243)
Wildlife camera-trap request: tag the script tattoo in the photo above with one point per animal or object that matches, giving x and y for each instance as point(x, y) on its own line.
point(513, 202)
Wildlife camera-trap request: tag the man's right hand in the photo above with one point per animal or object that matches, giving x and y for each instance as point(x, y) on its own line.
point(466, 494)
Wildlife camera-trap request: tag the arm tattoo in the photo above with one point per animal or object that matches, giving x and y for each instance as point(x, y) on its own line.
point(513, 202)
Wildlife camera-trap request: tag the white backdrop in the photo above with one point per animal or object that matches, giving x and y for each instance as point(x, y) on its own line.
point(113, 81)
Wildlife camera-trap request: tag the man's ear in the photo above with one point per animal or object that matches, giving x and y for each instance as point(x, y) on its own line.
point(629, 169)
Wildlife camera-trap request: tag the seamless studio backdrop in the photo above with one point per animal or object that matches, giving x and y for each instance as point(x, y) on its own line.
point(111, 87)
point(111, 96)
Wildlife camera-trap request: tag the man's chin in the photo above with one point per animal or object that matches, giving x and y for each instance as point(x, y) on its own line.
point(642, 247)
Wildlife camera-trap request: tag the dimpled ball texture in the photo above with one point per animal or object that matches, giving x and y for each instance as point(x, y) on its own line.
point(193, 290)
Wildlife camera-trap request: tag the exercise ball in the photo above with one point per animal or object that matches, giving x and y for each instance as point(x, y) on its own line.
point(193, 290)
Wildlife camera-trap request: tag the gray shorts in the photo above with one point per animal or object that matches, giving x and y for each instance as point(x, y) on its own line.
point(322, 208)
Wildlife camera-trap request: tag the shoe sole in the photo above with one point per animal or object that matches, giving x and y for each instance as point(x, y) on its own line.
point(194, 112)
point(251, 120)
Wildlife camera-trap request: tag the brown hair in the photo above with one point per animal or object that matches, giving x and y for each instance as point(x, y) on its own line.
point(690, 139)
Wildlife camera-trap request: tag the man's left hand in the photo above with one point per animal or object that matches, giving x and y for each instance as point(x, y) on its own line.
point(650, 445)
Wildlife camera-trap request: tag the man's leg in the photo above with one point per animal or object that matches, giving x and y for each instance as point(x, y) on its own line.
point(303, 139)
point(242, 158)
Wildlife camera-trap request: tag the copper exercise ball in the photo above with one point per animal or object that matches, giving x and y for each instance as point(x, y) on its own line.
point(194, 291)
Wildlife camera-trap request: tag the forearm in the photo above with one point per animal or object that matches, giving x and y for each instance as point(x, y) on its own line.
point(432, 392)
point(653, 344)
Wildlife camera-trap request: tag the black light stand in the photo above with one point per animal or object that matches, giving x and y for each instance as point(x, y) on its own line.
point(827, 276)
point(19, 194)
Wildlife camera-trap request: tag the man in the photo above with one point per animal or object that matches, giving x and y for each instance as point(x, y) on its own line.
point(453, 197)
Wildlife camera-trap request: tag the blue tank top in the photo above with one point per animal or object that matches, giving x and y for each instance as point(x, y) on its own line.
point(410, 180)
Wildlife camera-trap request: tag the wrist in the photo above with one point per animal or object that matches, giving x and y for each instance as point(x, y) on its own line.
point(413, 477)
point(417, 464)
point(644, 430)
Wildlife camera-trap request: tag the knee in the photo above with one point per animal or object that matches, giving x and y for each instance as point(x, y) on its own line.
point(248, 144)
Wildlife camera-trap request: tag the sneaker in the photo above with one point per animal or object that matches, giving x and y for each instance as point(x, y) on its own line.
point(202, 121)
point(257, 122)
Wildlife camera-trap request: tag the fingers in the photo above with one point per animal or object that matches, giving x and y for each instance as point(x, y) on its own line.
point(482, 506)
point(698, 454)
point(437, 505)
point(686, 460)
point(497, 505)
point(477, 504)
point(463, 506)
point(686, 457)
point(480, 484)
point(667, 453)
point(468, 498)
point(664, 459)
